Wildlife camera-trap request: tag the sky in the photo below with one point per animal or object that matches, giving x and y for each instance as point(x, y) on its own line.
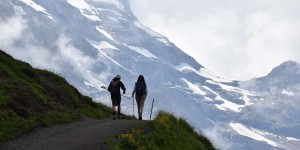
point(235, 39)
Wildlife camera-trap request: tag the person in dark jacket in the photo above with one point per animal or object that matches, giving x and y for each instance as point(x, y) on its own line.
point(140, 91)
point(115, 93)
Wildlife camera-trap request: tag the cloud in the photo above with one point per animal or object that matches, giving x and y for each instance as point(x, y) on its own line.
point(69, 54)
point(11, 30)
point(63, 57)
point(215, 135)
point(235, 39)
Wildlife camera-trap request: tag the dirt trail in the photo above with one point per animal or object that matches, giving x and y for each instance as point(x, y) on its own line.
point(88, 134)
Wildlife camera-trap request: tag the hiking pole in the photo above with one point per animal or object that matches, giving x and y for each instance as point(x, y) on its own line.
point(151, 109)
point(126, 97)
point(103, 87)
point(132, 106)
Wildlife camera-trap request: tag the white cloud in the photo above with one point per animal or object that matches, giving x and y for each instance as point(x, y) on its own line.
point(215, 134)
point(236, 39)
point(66, 55)
point(11, 30)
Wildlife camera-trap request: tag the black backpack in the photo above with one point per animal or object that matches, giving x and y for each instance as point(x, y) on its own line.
point(114, 87)
point(140, 88)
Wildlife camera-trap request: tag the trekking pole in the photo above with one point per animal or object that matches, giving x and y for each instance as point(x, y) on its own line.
point(103, 87)
point(151, 109)
point(132, 106)
point(126, 97)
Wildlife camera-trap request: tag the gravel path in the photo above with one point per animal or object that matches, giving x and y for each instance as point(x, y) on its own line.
point(88, 134)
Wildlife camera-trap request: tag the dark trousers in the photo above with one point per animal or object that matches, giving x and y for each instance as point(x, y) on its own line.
point(116, 102)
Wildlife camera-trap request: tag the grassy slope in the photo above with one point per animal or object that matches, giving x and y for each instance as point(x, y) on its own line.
point(165, 132)
point(32, 98)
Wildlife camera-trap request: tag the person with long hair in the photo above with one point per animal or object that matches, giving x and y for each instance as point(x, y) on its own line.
point(140, 91)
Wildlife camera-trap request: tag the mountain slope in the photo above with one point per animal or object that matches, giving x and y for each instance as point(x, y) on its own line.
point(280, 90)
point(31, 98)
point(90, 41)
point(283, 76)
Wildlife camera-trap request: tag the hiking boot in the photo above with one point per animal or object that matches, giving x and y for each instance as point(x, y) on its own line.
point(140, 118)
point(119, 117)
point(114, 118)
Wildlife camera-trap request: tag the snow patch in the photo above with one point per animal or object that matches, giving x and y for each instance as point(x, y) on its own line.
point(202, 72)
point(102, 45)
point(208, 74)
point(164, 41)
point(245, 93)
point(288, 93)
point(116, 13)
point(142, 51)
point(113, 2)
point(86, 9)
point(152, 33)
point(228, 105)
point(185, 67)
point(242, 130)
point(147, 30)
point(207, 98)
point(105, 45)
point(37, 7)
point(194, 87)
point(19, 10)
point(105, 33)
point(292, 139)
point(246, 100)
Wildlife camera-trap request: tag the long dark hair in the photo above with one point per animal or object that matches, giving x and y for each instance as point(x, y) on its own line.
point(141, 79)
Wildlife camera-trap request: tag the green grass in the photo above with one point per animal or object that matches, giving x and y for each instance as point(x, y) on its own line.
point(39, 93)
point(4, 99)
point(33, 98)
point(11, 125)
point(165, 132)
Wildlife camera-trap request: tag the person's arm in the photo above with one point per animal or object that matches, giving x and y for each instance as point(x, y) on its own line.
point(146, 89)
point(133, 90)
point(109, 87)
point(122, 87)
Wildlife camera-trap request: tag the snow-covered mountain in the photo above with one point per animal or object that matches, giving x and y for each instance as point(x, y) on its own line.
point(280, 108)
point(90, 41)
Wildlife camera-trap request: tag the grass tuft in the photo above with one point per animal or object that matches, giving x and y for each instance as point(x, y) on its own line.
point(165, 132)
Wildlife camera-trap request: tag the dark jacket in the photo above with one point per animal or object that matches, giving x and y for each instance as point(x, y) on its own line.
point(119, 84)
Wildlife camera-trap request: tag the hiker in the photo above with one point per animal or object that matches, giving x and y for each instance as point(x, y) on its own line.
point(140, 91)
point(115, 92)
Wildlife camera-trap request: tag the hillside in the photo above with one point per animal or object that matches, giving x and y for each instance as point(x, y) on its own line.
point(32, 98)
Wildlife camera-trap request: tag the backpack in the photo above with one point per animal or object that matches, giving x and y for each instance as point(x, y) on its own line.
point(114, 88)
point(140, 88)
